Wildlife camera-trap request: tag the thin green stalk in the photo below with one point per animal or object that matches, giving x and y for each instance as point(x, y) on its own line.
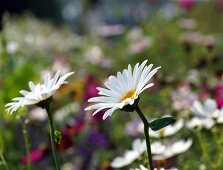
point(27, 144)
point(221, 142)
point(218, 143)
point(4, 162)
point(52, 137)
point(146, 132)
point(203, 148)
point(1, 151)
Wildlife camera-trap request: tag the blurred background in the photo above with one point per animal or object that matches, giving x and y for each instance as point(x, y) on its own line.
point(97, 38)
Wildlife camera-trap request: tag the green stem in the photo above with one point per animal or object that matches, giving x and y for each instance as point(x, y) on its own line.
point(219, 148)
point(52, 138)
point(27, 145)
point(4, 162)
point(146, 132)
point(203, 148)
point(221, 143)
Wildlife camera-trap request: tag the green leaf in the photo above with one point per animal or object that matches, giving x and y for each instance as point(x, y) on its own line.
point(161, 123)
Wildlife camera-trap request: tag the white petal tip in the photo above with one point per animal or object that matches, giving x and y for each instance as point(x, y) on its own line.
point(86, 109)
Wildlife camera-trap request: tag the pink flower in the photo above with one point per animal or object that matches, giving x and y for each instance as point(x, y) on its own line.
point(35, 156)
point(91, 90)
point(186, 4)
point(219, 95)
point(218, 4)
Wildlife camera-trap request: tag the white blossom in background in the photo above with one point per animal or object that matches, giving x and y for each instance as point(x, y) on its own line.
point(60, 63)
point(138, 148)
point(12, 47)
point(132, 127)
point(135, 34)
point(140, 45)
point(110, 30)
point(187, 23)
point(138, 41)
point(39, 92)
point(197, 122)
point(208, 110)
point(37, 114)
point(166, 131)
point(183, 98)
point(142, 167)
point(162, 151)
point(63, 113)
point(209, 40)
point(193, 76)
point(191, 37)
point(69, 166)
point(94, 55)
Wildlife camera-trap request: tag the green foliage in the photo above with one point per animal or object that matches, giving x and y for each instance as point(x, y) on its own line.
point(161, 123)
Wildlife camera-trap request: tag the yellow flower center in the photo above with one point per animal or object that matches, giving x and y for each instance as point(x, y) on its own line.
point(130, 94)
point(161, 132)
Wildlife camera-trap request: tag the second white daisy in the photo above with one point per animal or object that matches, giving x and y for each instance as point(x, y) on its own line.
point(38, 93)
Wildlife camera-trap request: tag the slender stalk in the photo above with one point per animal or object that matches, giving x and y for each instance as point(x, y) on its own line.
point(52, 138)
point(218, 143)
point(146, 132)
point(2, 158)
point(221, 143)
point(27, 144)
point(203, 148)
point(4, 162)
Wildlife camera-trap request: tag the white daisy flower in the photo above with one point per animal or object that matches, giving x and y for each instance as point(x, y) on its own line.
point(138, 148)
point(161, 151)
point(39, 92)
point(123, 89)
point(37, 114)
point(141, 167)
point(197, 122)
point(208, 110)
point(166, 131)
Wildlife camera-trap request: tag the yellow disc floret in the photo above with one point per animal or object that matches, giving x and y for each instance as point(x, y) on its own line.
point(130, 94)
point(161, 132)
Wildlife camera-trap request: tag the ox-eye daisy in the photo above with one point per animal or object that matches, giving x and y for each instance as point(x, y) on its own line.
point(138, 148)
point(123, 89)
point(40, 95)
point(39, 92)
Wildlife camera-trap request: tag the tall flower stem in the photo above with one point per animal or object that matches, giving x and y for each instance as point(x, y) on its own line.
point(203, 148)
point(218, 143)
point(52, 137)
point(3, 161)
point(2, 158)
point(146, 132)
point(27, 144)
